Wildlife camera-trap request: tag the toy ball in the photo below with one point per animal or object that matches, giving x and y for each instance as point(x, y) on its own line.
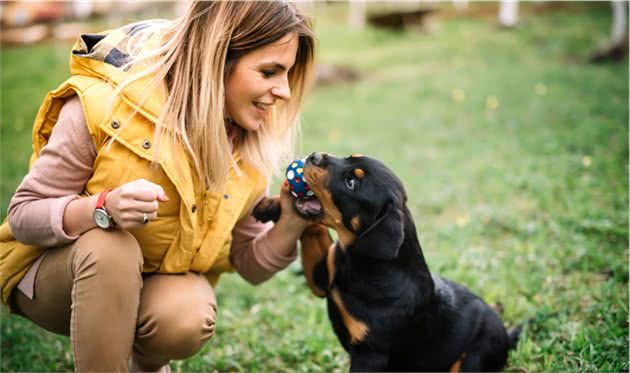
point(295, 176)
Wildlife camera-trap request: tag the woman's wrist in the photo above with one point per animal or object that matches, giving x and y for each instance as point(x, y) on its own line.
point(77, 217)
point(292, 225)
point(284, 235)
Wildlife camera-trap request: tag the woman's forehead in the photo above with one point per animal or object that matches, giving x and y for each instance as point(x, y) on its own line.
point(282, 52)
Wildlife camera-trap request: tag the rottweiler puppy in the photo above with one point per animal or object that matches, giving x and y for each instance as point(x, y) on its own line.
point(388, 310)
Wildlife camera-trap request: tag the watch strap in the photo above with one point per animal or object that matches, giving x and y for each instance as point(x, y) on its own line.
point(100, 202)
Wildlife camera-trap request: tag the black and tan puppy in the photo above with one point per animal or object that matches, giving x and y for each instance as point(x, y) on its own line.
point(388, 310)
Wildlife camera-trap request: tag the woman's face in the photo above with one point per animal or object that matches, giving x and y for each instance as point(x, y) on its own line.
point(258, 80)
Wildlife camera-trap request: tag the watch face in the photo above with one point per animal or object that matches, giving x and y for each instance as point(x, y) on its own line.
point(101, 219)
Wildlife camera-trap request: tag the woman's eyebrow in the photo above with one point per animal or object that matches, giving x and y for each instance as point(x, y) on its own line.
point(273, 64)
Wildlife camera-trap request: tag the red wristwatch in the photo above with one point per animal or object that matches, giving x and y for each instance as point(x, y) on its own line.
point(101, 217)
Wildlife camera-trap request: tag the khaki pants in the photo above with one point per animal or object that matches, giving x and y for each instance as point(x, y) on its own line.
point(93, 290)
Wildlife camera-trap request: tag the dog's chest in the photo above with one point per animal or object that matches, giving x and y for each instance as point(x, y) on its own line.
point(345, 304)
point(357, 293)
point(366, 283)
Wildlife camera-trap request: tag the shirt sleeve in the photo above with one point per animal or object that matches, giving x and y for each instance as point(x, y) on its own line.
point(253, 254)
point(57, 177)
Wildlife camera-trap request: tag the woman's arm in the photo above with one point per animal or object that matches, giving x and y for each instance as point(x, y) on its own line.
point(52, 186)
point(259, 250)
point(46, 209)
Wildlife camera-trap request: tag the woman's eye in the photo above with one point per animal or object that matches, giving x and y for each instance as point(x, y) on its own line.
point(350, 182)
point(267, 73)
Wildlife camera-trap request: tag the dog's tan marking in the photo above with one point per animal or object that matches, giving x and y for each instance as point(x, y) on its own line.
point(314, 175)
point(332, 218)
point(456, 367)
point(357, 329)
point(356, 155)
point(317, 178)
point(330, 264)
point(359, 173)
point(315, 242)
point(356, 223)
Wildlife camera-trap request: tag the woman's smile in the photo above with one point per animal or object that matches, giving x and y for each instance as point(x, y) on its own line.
point(262, 108)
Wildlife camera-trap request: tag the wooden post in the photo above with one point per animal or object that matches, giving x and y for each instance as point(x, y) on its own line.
point(619, 28)
point(460, 4)
point(357, 14)
point(508, 13)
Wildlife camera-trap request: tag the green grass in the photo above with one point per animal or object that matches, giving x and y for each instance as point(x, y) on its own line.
point(519, 190)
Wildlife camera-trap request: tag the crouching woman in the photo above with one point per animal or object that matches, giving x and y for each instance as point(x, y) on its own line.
point(147, 163)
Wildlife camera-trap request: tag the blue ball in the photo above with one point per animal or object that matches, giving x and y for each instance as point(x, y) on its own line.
point(295, 176)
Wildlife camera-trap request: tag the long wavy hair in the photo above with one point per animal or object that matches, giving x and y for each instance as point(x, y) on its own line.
point(195, 55)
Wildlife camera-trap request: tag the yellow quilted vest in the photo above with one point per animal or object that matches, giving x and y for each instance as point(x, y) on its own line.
point(193, 231)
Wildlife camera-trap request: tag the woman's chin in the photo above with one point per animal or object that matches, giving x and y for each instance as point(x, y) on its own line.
point(254, 125)
point(248, 125)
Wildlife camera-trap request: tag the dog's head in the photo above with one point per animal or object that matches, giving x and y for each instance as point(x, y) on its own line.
point(361, 199)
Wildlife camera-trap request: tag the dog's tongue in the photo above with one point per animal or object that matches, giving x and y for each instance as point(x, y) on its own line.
point(313, 205)
point(310, 206)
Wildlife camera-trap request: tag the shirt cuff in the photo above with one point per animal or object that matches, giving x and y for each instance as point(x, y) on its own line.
point(57, 209)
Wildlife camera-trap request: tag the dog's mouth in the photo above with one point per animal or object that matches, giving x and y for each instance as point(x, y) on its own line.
point(310, 208)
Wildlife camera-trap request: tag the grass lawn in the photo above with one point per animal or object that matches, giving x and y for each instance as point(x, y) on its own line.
point(514, 154)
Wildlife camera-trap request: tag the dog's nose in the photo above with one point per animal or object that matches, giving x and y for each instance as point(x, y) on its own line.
point(317, 159)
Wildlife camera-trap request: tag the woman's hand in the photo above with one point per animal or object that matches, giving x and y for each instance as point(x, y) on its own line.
point(287, 230)
point(128, 203)
point(289, 218)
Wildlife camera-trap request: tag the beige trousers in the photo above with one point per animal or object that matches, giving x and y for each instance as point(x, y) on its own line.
point(93, 290)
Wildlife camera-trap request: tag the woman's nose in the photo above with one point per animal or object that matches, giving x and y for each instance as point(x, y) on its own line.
point(282, 91)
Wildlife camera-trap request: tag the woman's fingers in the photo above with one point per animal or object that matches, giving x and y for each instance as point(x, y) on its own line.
point(148, 207)
point(129, 203)
point(132, 219)
point(159, 191)
point(144, 190)
point(145, 194)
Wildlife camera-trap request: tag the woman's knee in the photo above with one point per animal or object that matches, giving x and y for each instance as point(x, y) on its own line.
point(176, 317)
point(175, 334)
point(112, 251)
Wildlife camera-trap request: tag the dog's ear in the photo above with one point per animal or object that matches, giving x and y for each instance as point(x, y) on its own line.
point(383, 238)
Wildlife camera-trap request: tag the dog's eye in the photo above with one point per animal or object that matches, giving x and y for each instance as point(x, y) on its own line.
point(350, 182)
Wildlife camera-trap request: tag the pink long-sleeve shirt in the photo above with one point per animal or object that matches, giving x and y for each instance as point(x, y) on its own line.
point(60, 174)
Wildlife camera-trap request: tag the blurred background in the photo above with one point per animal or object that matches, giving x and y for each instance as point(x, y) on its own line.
point(506, 121)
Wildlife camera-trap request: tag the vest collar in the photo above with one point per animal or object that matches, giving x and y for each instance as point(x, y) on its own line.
point(103, 55)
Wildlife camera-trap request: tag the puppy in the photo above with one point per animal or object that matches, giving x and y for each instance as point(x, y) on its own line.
point(389, 312)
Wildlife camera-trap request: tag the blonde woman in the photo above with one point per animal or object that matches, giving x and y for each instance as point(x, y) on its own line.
point(147, 163)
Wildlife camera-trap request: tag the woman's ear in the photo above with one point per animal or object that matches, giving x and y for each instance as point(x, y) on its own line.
point(383, 238)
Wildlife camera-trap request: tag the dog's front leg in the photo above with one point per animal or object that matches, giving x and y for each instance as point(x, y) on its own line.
point(316, 242)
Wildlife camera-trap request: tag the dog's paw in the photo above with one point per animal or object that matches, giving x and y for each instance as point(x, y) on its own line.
point(268, 209)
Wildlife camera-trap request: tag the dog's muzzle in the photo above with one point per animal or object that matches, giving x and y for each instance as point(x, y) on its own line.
point(317, 159)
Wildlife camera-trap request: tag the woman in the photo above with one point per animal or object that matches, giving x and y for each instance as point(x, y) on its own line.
point(147, 164)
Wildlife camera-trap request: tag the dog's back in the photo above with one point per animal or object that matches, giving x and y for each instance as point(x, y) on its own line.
point(455, 330)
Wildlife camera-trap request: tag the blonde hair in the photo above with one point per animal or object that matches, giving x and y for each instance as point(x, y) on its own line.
point(194, 58)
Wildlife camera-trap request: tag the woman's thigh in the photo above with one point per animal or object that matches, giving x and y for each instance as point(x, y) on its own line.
point(95, 256)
